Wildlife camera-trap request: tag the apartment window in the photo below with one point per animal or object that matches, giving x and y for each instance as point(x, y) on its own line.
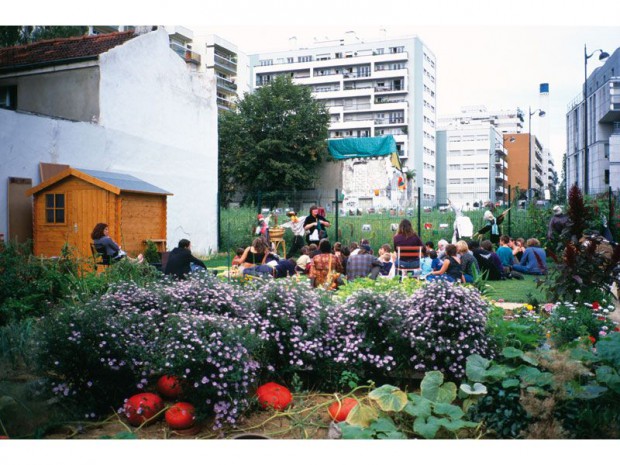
point(338, 55)
point(290, 60)
point(379, 51)
point(606, 176)
point(55, 208)
point(8, 97)
point(265, 62)
point(399, 49)
point(304, 59)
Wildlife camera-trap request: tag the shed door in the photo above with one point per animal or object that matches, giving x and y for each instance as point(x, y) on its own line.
point(19, 209)
point(88, 207)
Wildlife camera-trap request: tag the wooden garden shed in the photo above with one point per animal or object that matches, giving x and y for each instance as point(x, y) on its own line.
point(68, 205)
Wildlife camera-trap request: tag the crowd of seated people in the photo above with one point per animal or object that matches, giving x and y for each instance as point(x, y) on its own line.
point(328, 265)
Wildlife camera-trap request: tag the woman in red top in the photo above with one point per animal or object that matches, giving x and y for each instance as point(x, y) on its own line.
point(406, 236)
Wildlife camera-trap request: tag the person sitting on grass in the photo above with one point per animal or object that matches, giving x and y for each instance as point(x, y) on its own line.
point(181, 261)
point(488, 261)
point(504, 251)
point(236, 261)
point(324, 264)
point(468, 261)
point(386, 264)
point(534, 260)
point(303, 262)
point(450, 269)
point(362, 265)
point(435, 262)
point(441, 249)
point(429, 246)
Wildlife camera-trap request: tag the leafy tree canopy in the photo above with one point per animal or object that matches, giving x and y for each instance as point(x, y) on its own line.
point(19, 35)
point(274, 140)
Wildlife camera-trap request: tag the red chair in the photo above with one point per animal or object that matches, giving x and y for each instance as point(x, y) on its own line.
point(408, 253)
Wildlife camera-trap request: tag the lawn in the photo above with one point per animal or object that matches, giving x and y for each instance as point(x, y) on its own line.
point(514, 290)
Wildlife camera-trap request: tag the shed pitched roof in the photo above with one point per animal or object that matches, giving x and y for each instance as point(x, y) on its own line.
point(125, 182)
point(113, 182)
point(47, 52)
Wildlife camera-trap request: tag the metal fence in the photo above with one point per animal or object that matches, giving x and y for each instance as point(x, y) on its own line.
point(238, 221)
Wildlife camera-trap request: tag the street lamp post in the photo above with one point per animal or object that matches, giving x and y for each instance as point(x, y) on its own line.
point(541, 113)
point(586, 57)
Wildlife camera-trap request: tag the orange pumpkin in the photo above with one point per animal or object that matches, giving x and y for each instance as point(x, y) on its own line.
point(169, 386)
point(142, 407)
point(274, 395)
point(339, 411)
point(181, 416)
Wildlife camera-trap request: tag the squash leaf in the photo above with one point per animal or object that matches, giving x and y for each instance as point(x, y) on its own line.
point(426, 427)
point(418, 406)
point(453, 411)
point(477, 390)
point(362, 415)
point(355, 432)
point(389, 398)
point(476, 367)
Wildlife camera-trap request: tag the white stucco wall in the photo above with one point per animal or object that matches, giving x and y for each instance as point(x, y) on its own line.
point(158, 122)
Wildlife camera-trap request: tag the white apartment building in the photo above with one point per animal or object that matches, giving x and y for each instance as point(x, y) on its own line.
point(228, 66)
point(603, 123)
point(506, 121)
point(473, 158)
point(371, 89)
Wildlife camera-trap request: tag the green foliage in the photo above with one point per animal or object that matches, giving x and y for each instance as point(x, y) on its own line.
point(585, 266)
point(390, 413)
point(519, 328)
point(348, 380)
point(380, 286)
point(29, 286)
point(570, 321)
point(275, 139)
point(19, 35)
point(151, 255)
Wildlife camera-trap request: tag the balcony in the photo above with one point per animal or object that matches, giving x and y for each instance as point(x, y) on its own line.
point(379, 90)
point(225, 63)
point(187, 54)
point(387, 121)
point(223, 103)
point(357, 106)
point(225, 84)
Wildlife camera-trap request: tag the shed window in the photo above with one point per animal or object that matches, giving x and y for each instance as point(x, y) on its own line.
point(54, 208)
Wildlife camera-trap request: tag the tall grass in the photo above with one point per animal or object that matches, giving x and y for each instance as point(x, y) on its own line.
point(237, 225)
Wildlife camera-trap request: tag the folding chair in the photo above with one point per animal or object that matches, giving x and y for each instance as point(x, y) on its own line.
point(408, 253)
point(100, 257)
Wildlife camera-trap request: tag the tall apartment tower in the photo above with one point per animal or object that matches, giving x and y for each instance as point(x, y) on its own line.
point(603, 130)
point(371, 89)
point(229, 67)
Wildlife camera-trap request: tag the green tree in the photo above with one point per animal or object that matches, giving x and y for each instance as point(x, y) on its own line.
point(561, 192)
point(18, 35)
point(274, 140)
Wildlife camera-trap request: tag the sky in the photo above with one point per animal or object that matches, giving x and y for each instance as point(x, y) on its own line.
point(489, 53)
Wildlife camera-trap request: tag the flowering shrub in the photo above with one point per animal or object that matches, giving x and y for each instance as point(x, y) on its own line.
point(446, 324)
point(209, 353)
point(365, 333)
point(119, 343)
point(289, 318)
point(569, 321)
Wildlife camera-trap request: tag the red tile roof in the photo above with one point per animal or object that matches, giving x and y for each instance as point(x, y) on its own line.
point(57, 50)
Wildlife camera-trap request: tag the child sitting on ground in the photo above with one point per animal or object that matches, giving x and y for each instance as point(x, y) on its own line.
point(435, 261)
point(386, 263)
point(304, 260)
point(236, 261)
point(426, 262)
